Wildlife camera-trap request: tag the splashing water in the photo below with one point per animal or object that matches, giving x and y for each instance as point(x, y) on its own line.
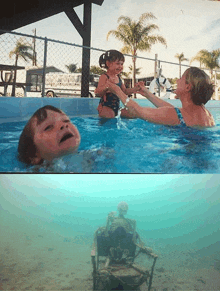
point(120, 123)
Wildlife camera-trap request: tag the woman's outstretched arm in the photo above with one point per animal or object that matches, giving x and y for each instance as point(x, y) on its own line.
point(163, 115)
point(158, 102)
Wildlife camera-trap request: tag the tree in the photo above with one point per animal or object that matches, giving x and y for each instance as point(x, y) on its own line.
point(181, 59)
point(210, 60)
point(127, 74)
point(71, 68)
point(96, 70)
point(21, 51)
point(79, 70)
point(136, 35)
point(198, 58)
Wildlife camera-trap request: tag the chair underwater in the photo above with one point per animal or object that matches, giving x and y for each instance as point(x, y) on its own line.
point(113, 260)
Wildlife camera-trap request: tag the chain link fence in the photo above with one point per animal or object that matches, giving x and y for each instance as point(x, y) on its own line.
point(46, 67)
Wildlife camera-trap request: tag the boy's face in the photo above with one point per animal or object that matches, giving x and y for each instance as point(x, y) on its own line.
point(54, 137)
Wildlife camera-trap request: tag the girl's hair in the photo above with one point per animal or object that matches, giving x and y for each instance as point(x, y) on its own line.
point(26, 147)
point(202, 88)
point(111, 56)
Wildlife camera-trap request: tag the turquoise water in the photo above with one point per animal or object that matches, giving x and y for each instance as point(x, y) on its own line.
point(125, 146)
point(48, 223)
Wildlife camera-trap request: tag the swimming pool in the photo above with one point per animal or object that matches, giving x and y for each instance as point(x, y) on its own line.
point(125, 146)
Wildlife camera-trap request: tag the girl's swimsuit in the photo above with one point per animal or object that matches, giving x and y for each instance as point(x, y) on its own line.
point(111, 100)
point(179, 114)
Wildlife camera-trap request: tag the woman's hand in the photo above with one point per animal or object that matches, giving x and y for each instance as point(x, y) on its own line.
point(142, 89)
point(140, 85)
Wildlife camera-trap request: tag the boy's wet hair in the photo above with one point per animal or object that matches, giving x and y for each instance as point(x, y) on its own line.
point(202, 87)
point(26, 147)
point(111, 56)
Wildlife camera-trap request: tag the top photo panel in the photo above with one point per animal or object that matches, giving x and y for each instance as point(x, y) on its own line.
point(110, 87)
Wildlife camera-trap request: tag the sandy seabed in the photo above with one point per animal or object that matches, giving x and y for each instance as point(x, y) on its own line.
point(36, 255)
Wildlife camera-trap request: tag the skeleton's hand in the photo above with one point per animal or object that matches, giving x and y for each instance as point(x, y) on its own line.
point(112, 214)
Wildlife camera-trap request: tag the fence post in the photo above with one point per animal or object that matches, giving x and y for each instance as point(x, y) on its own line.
point(216, 87)
point(155, 67)
point(44, 67)
point(158, 76)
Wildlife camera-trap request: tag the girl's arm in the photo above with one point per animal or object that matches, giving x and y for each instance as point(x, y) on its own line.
point(129, 91)
point(158, 102)
point(101, 88)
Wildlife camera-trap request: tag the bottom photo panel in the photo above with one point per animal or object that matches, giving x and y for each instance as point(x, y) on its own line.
point(109, 232)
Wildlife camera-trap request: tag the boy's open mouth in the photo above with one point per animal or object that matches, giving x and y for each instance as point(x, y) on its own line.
point(65, 137)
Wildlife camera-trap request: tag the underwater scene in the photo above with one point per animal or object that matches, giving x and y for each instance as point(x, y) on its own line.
point(69, 232)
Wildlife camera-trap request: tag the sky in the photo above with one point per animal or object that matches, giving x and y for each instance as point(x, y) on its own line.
point(188, 26)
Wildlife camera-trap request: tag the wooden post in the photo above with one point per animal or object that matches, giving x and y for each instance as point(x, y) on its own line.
point(86, 51)
point(84, 30)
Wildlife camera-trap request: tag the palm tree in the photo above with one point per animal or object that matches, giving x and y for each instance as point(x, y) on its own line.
point(71, 68)
point(127, 74)
point(181, 59)
point(96, 70)
point(210, 60)
point(137, 70)
point(23, 51)
point(136, 35)
point(198, 58)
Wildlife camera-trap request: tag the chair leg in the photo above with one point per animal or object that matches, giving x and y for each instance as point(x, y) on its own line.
point(94, 282)
point(94, 272)
point(97, 262)
point(151, 276)
point(107, 262)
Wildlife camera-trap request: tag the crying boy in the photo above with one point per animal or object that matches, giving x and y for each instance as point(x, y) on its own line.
point(47, 135)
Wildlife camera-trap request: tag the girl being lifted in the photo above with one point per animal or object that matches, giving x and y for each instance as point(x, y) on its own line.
point(113, 61)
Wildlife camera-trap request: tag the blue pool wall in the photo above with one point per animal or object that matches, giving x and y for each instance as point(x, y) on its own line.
point(15, 109)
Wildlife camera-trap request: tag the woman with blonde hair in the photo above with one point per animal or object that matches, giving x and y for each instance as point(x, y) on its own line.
point(194, 89)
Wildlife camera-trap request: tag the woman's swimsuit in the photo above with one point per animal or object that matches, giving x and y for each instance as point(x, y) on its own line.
point(179, 114)
point(111, 100)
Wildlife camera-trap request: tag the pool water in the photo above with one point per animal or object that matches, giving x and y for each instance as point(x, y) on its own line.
point(125, 146)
